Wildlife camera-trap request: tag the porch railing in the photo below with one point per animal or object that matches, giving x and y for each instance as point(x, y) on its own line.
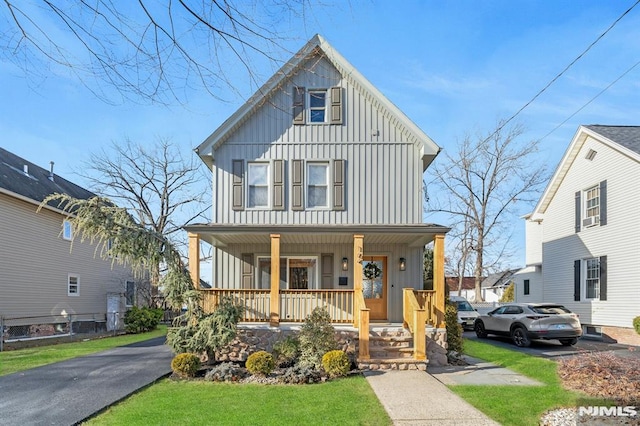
point(361, 322)
point(295, 305)
point(415, 319)
point(427, 300)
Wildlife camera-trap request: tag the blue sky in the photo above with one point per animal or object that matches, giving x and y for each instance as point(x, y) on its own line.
point(454, 67)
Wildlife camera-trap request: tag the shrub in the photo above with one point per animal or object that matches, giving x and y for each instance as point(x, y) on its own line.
point(454, 330)
point(636, 324)
point(317, 337)
point(140, 320)
point(226, 372)
point(336, 363)
point(286, 351)
point(300, 375)
point(261, 363)
point(509, 294)
point(185, 365)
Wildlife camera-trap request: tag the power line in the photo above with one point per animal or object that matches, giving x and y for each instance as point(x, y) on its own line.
point(502, 125)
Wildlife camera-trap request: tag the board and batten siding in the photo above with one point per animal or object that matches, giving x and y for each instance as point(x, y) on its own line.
point(619, 239)
point(35, 262)
point(383, 168)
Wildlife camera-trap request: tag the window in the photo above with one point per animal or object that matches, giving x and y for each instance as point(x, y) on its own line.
point(526, 287)
point(258, 191)
point(73, 285)
point(317, 185)
point(317, 106)
point(67, 230)
point(592, 278)
point(130, 293)
point(592, 205)
point(296, 272)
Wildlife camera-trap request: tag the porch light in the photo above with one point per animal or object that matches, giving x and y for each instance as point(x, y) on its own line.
point(403, 263)
point(345, 264)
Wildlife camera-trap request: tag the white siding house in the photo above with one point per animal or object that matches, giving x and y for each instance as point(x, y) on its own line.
point(322, 171)
point(590, 244)
point(45, 281)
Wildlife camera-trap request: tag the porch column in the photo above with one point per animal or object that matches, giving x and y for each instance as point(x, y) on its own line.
point(275, 280)
point(194, 259)
point(438, 278)
point(357, 277)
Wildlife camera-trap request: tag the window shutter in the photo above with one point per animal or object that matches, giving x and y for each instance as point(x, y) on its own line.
point(576, 280)
point(238, 185)
point(278, 185)
point(297, 185)
point(247, 270)
point(578, 211)
point(603, 277)
point(526, 287)
point(336, 105)
point(298, 105)
point(603, 202)
point(338, 185)
point(327, 270)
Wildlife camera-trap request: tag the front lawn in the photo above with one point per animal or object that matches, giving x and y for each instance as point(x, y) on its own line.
point(348, 401)
point(520, 405)
point(24, 359)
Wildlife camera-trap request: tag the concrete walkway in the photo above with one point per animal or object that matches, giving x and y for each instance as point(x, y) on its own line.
point(67, 392)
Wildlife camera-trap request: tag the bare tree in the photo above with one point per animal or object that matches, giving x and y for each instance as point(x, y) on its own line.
point(160, 189)
point(479, 185)
point(150, 50)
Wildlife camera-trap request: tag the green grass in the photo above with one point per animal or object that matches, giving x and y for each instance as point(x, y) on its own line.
point(348, 401)
point(24, 359)
point(519, 405)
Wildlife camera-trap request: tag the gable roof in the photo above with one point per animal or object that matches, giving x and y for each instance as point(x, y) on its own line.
point(316, 45)
point(499, 279)
point(624, 139)
point(23, 179)
point(468, 283)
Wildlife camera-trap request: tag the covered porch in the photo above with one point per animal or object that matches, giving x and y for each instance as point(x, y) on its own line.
point(342, 257)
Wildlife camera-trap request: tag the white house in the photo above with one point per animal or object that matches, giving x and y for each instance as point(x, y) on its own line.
point(583, 237)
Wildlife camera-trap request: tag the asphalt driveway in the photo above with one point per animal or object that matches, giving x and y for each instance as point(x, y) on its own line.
point(67, 392)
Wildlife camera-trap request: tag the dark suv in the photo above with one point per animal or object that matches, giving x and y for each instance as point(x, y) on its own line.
point(526, 321)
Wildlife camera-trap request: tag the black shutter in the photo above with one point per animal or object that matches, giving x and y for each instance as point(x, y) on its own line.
point(603, 203)
point(338, 185)
point(238, 185)
point(336, 105)
point(247, 270)
point(298, 105)
point(297, 185)
point(576, 280)
point(603, 277)
point(578, 211)
point(526, 287)
point(327, 270)
point(278, 185)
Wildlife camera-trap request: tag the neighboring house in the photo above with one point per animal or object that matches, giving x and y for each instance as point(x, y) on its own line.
point(467, 289)
point(583, 237)
point(495, 284)
point(318, 199)
point(43, 282)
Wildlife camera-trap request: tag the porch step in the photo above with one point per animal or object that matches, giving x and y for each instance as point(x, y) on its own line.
point(374, 364)
point(391, 344)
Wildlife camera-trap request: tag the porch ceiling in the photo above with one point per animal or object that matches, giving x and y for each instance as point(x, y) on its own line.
point(414, 235)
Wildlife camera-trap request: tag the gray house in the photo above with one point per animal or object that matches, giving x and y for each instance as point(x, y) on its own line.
point(43, 283)
point(317, 201)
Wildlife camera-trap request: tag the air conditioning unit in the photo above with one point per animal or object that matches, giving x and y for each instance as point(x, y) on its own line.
point(590, 221)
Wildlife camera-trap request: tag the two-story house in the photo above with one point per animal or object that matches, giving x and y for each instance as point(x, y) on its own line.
point(45, 283)
point(318, 200)
point(583, 239)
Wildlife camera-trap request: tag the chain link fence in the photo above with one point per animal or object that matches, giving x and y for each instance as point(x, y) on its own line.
point(20, 329)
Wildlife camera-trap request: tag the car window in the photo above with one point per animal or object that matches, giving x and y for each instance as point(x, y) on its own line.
point(510, 310)
point(550, 310)
point(463, 305)
point(498, 311)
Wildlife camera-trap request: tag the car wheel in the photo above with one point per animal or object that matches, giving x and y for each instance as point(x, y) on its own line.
point(569, 342)
point(519, 336)
point(480, 331)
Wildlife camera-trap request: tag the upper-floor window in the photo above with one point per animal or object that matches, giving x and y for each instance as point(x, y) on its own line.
point(258, 185)
point(317, 106)
point(592, 205)
point(318, 185)
point(67, 230)
point(73, 285)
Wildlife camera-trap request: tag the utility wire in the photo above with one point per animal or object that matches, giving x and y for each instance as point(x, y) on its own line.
point(503, 124)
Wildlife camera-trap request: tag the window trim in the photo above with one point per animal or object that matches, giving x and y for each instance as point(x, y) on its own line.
point(268, 185)
point(67, 230)
point(586, 279)
point(327, 185)
point(77, 285)
point(325, 108)
point(316, 281)
point(586, 208)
